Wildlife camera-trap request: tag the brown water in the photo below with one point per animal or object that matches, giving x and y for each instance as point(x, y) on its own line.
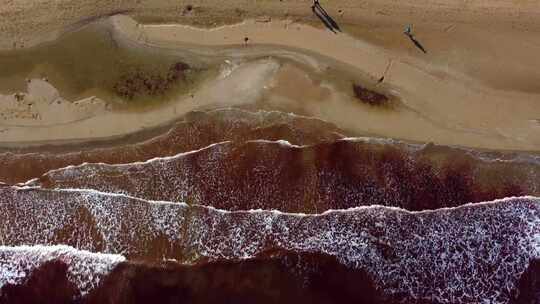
point(91, 62)
point(409, 255)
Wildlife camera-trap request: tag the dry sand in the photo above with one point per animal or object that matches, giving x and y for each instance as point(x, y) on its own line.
point(477, 86)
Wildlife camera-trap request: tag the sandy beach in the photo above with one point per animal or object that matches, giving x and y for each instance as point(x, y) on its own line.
point(461, 92)
point(265, 151)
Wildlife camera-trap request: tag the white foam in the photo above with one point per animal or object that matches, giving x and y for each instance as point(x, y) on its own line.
point(281, 142)
point(452, 245)
point(85, 269)
point(149, 161)
point(259, 112)
point(278, 212)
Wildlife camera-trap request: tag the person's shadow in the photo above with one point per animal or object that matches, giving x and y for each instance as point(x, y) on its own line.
point(325, 18)
point(331, 20)
point(418, 44)
point(408, 33)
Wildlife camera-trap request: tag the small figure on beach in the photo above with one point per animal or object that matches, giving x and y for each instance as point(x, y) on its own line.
point(19, 96)
point(246, 41)
point(408, 30)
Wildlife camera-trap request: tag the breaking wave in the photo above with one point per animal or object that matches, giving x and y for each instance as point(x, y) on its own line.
point(339, 174)
point(472, 253)
point(287, 207)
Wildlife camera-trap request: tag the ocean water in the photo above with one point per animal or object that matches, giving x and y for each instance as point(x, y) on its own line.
point(252, 205)
point(467, 254)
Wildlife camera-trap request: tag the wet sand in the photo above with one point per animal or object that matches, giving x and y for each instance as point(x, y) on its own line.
point(193, 132)
point(448, 108)
point(158, 174)
point(453, 110)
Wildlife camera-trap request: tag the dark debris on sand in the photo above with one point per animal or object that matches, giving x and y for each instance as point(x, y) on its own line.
point(141, 83)
point(370, 97)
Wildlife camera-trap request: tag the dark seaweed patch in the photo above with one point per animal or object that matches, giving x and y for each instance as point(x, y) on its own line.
point(142, 83)
point(370, 97)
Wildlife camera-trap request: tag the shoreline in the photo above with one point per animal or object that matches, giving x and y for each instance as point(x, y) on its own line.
point(458, 96)
point(142, 136)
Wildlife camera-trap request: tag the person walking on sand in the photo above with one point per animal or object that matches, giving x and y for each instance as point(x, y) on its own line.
point(408, 30)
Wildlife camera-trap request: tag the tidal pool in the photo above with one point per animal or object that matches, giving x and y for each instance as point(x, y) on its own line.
point(92, 62)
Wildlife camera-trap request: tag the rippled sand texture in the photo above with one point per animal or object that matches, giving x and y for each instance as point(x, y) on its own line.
point(267, 159)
